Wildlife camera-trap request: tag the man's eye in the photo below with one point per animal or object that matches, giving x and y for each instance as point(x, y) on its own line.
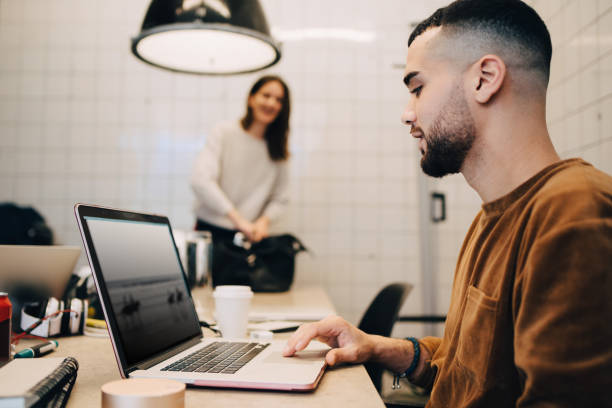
point(417, 91)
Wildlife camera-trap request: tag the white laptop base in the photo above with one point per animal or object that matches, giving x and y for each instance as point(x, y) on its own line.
point(268, 370)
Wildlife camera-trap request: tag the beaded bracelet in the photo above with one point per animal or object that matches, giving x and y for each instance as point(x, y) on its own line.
point(415, 362)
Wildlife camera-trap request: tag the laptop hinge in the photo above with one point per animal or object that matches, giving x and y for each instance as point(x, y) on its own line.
point(158, 358)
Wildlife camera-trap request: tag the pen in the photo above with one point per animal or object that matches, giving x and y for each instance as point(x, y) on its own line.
point(38, 350)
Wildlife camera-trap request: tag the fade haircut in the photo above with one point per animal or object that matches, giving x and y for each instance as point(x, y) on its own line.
point(510, 29)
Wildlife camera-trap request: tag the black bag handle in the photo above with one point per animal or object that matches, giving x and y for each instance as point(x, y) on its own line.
point(276, 242)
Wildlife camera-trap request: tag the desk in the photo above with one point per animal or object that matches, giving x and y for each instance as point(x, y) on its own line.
point(347, 386)
point(307, 301)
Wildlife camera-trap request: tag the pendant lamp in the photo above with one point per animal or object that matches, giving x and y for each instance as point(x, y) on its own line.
point(210, 37)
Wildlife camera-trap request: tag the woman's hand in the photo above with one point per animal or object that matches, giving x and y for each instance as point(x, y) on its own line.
point(241, 224)
point(253, 231)
point(260, 228)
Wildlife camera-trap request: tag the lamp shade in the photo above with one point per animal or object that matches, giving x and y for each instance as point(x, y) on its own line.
point(211, 37)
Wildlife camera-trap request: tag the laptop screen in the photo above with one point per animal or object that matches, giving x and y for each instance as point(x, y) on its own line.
point(149, 297)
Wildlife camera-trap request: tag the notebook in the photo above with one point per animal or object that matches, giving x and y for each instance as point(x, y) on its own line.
point(37, 382)
point(263, 314)
point(152, 320)
point(43, 267)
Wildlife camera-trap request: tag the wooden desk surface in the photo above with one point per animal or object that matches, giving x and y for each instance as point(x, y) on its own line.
point(342, 386)
point(301, 301)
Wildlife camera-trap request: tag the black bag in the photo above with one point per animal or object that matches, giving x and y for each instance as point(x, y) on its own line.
point(266, 266)
point(23, 226)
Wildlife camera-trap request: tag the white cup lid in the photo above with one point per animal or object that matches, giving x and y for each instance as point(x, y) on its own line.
point(233, 291)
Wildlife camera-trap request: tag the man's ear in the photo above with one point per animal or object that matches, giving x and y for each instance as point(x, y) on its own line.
point(489, 73)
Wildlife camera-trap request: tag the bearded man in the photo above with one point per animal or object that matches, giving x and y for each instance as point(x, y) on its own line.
point(528, 323)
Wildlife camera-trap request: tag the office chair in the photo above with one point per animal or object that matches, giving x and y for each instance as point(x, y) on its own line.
point(379, 319)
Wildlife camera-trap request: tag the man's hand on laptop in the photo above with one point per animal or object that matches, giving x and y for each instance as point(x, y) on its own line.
point(349, 344)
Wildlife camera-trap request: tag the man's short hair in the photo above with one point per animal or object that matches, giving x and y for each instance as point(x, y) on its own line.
point(509, 26)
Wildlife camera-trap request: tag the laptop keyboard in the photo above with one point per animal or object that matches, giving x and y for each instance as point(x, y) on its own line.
point(218, 357)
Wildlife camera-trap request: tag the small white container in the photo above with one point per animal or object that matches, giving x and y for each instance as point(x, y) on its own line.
point(143, 393)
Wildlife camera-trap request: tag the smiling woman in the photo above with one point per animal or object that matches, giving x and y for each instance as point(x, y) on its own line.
point(240, 177)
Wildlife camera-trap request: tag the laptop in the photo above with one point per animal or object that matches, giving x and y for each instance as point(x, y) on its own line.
point(152, 320)
point(43, 268)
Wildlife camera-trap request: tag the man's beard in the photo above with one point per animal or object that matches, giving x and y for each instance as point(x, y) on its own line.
point(450, 139)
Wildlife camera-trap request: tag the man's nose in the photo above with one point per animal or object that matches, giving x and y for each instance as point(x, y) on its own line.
point(408, 116)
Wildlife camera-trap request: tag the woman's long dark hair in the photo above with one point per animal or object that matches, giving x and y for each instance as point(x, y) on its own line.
point(277, 132)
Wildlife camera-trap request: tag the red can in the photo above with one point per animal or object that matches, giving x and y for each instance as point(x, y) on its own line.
point(6, 310)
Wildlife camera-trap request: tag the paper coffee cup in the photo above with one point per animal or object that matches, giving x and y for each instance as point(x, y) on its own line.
point(232, 304)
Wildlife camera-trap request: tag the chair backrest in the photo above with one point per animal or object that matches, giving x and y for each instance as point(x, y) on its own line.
point(380, 317)
point(382, 313)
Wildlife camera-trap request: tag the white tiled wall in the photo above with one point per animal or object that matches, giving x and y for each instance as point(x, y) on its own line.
point(82, 120)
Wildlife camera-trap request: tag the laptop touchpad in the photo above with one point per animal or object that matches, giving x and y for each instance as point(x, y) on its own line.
point(302, 357)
